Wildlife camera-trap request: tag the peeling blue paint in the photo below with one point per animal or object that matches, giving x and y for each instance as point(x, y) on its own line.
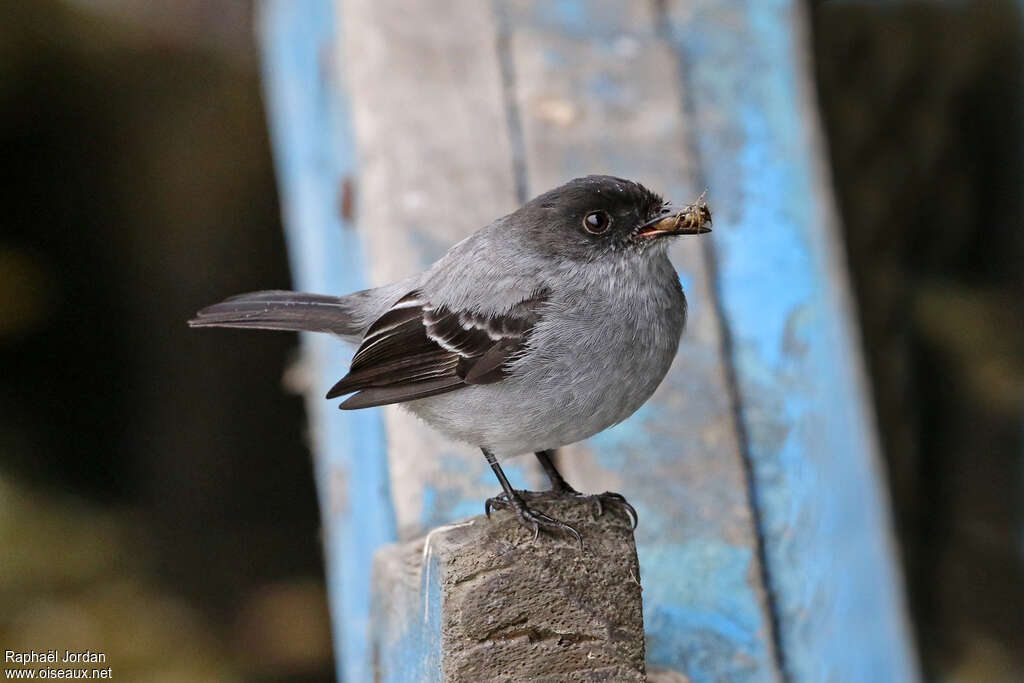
point(702, 613)
point(567, 14)
point(810, 443)
point(410, 647)
point(822, 508)
point(607, 88)
point(443, 505)
point(702, 605)
point(686, 280)
point(425, 245)
point(554, 57)
point(701, 621)
point(578, 18)
point(611, 447)
point(314, 152)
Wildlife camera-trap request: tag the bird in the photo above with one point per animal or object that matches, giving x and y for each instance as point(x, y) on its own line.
point(543, 328)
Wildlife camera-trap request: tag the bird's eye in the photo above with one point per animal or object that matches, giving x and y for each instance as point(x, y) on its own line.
point(597, 222)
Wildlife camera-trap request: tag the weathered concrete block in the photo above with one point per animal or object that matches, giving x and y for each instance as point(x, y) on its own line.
point(482, 601)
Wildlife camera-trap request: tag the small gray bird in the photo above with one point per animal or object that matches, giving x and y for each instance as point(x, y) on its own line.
point(544, 328)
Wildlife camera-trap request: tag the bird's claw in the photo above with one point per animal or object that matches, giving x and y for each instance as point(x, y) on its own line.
point(616, 500)
point(601, 500)
point(534, 519)
point(498, 502)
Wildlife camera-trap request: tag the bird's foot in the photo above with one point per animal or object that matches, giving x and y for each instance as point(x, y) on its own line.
point(529, 517)
point(608, 499)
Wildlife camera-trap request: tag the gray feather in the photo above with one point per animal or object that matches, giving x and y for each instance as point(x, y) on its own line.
point(280, 310)
point(528, 335)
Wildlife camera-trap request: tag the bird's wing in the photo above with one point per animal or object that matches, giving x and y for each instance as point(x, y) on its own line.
point(417, 349)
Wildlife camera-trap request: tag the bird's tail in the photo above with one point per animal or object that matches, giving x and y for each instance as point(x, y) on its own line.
point(281, 310)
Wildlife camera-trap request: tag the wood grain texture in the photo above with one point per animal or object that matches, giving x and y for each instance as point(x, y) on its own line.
point(598, 91)
point(485, 602)
point(308, 113)
point(435, 165)
point(675, 95)
point(783, 290)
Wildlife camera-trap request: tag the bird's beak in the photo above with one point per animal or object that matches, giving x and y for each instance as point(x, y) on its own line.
point(693, 219)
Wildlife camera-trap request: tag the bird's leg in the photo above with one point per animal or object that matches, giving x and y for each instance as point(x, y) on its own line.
point(558, 483)
point(561, 487)
point(512, 499)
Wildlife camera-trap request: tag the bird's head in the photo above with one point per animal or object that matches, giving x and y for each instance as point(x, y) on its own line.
point(598, 216)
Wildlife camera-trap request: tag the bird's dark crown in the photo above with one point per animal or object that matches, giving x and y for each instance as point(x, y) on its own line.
point(557, 218)
point(601, 192)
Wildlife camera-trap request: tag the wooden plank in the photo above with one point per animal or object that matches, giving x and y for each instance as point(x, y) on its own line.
point(784, 294)
point(480, 601)
point(314, 153)
point(435, 165)
point(597, 90)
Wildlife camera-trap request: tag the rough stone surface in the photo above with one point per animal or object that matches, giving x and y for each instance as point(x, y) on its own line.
point(511, 608)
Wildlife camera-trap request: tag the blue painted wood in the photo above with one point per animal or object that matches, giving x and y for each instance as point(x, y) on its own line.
point(314, 153)
point(782, 286)
point(582, 71)
point(598, 92)
point(407, 604)
point(435, 166)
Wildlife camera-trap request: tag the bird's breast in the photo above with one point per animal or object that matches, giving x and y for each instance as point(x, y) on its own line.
point(594, 357)
point(598, 355)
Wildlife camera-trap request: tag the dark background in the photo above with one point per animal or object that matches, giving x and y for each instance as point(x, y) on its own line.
point(922, 104)
point(156, 491)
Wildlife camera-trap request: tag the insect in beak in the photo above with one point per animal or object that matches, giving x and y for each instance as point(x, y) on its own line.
point(692, 219)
